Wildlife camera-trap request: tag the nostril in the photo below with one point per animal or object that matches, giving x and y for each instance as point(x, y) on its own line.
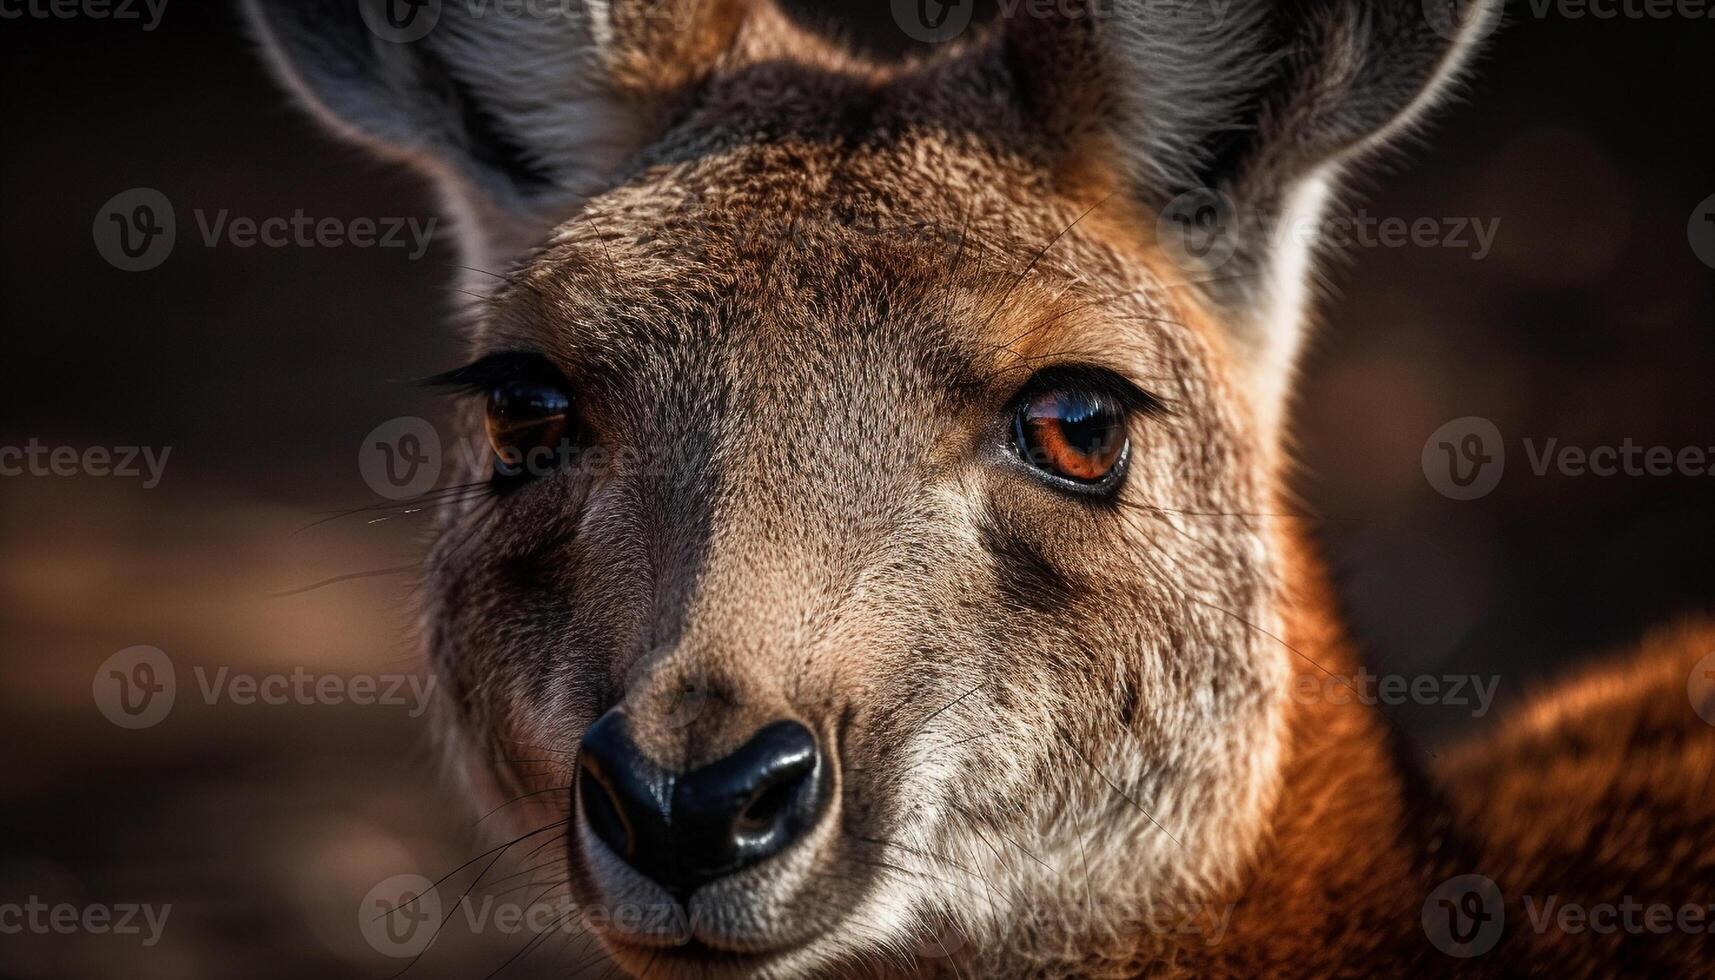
point(685, 830)
point(763, 812)
point(621, 792)
point(603, 813)
point(752, 804)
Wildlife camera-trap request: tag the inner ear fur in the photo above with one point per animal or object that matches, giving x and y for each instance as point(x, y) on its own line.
point(516, 118)
point(1239, 118)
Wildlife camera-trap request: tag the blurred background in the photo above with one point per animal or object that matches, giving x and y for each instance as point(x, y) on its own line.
point(1589, 320)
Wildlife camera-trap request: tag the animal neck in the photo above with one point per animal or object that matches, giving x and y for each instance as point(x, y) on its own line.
point(1358, 835)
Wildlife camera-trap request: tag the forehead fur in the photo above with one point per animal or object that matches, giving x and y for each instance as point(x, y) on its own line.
point(793, 206)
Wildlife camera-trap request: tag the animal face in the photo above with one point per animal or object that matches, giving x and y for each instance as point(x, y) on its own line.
point(845, 476)
point(871, 523)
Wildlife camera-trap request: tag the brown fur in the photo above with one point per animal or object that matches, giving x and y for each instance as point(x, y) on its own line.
point(1599, 790)
point(793, 322)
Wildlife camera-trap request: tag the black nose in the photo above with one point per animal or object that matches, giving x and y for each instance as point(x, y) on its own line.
point(685, 830)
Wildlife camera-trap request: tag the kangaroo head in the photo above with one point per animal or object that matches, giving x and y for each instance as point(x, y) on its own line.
point(872, 526)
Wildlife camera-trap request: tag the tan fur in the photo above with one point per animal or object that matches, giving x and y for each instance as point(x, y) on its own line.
point(1062, 730)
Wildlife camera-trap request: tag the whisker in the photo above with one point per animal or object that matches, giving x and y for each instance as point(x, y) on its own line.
point(498, 851)
point(520, 799)
point(1031, 265)
point(348, 577)
point(428, 497)
point(1115, 786)
point(937, 712)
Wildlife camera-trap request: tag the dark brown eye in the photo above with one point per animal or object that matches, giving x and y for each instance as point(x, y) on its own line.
point(527, 423)
point(1076, 436)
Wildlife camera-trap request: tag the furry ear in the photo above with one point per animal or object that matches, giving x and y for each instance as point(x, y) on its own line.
point(516, 115)
point(1233, 118)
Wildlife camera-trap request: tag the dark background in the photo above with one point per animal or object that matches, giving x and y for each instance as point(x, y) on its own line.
point(1591, 321)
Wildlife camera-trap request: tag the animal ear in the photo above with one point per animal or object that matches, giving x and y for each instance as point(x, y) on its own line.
point(1232, 120)
point(517, 115)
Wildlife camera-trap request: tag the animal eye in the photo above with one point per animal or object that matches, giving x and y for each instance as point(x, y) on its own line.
point(1074, 435)
point(527, 423)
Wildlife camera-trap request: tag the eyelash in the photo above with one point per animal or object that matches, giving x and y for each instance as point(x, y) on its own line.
point(516, 444)
point(1036, 435)
point(1050, 427)
point(492, 370)
point(1100, 381)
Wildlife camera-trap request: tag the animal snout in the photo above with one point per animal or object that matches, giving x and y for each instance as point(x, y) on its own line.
point(684, 830)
